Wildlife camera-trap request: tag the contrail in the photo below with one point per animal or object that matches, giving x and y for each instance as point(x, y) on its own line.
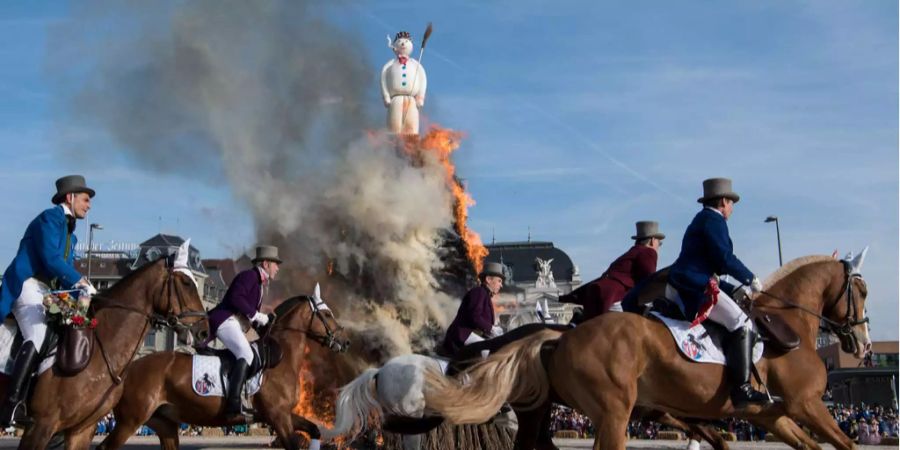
point(559, 123)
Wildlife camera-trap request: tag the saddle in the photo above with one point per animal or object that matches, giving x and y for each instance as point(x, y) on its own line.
point(267, 354)
point(772, 329)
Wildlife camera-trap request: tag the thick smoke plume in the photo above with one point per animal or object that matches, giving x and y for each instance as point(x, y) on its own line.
point(266, 99)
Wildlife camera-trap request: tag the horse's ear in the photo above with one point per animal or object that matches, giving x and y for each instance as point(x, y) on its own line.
point(857, 262)
point(317, 293)
point(181, 260)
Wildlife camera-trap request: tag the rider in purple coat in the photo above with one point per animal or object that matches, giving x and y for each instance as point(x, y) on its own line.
point(474, 321)
point(243, 298)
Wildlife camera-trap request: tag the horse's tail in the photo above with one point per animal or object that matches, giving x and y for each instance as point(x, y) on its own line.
point(355, 404)
point(515, 374)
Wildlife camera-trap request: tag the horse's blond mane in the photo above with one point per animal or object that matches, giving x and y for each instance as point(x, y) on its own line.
point(792, 266)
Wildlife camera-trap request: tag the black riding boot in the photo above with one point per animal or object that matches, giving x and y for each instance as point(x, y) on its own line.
point(236, 379)
point(18, 382)
point(738, 360)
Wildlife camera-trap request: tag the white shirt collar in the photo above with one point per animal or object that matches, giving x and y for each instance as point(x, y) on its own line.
point(66, 210)
point(716, 210)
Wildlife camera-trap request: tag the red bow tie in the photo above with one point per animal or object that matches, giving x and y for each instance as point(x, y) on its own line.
point(403, 59)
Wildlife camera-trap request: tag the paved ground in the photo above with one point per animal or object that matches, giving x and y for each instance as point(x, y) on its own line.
point(247, 443)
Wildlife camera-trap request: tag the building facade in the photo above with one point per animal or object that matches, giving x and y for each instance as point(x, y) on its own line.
point(872, 380)
point(537, 273)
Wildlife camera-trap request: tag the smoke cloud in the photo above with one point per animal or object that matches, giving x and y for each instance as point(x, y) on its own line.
point(266, 99)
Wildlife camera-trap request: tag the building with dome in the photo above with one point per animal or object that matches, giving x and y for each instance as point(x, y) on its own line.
point(537, 273)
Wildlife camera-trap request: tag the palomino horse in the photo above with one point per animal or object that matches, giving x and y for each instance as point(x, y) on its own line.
point(610, 364)
point(159, 392)
point(156, 294)
point(394, 394)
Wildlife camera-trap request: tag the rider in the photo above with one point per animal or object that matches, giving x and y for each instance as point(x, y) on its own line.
point(44, 261)
point(474, 320)
point(243, 298)
point(706, 253)
point(605, 293)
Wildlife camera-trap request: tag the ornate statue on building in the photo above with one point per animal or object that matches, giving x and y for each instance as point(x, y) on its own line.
point(403, 85)
point(545, 274)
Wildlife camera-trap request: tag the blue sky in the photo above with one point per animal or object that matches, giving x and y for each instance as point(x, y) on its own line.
point(580, 120)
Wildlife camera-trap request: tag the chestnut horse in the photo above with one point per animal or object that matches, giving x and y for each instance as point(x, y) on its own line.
point(159, 391)
point(154, 295)
point(608, 365)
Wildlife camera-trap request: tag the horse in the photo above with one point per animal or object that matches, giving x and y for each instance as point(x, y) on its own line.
point(394, 395)
point(157, 294)
point(159, 390)
point(611, 363)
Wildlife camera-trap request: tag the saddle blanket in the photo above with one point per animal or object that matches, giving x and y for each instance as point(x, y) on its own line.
point(696, 343)
point(208, 381)
point(8, 332)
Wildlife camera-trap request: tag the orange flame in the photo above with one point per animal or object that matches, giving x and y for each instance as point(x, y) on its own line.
point(308, 405)
point(442, 142)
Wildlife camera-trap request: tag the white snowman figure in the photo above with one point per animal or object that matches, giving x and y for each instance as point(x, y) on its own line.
point(403, 85)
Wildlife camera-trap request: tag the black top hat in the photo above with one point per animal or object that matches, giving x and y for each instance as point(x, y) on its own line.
point(402, 35)
point(718, 188)
point(647, 229)
point(70, 184)
point(266, 253)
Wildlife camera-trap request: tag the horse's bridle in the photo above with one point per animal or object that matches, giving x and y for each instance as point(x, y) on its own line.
point(844, 330)
point(329, 339)
point(156, 320)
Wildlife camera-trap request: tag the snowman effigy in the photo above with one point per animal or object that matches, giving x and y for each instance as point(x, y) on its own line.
point(403, 85)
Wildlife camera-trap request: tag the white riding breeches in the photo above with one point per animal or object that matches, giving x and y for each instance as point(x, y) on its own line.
point(232, 336)
point(30, 313)
point(725, 312)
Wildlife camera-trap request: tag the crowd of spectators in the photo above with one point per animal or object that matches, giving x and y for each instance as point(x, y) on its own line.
point(865, 424)
point(106, 424)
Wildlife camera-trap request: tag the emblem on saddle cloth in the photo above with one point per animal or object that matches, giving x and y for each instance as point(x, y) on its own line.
point(206, 377)
point(699, 345)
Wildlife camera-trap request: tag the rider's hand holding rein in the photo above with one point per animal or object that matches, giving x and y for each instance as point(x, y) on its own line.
point(260, 319)
point(86, 287)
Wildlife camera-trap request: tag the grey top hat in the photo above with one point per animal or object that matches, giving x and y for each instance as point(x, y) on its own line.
point(266, 253)
point(494, 269)
point(647, 229)
point(717, 188)
point(70, 184)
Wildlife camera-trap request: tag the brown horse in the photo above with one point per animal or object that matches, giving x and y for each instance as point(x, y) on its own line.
point(159, 391)
point(154, 295)
point(610, 364)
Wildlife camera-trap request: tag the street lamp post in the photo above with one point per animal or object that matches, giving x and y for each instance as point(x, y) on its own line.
point(777, 233)
point(94, 226)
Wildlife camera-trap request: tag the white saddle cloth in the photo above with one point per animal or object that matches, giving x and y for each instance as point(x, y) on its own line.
point(696, 344)
point(8, 332)
point(207, 379)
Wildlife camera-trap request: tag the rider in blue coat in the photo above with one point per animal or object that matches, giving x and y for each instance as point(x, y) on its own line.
point(707, 252)
point(43, 262)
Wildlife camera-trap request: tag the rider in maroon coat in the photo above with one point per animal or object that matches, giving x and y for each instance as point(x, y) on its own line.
point(474, 321)
point(639, 262)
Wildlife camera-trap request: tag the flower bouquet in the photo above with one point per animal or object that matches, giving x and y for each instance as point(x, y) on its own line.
point(66, 309)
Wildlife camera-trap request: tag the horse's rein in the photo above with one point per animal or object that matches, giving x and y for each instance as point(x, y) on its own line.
point(157, 320)
point(832, 325)
point(327, 339)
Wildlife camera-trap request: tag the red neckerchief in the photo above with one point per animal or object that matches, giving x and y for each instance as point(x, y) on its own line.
point(402, 59)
